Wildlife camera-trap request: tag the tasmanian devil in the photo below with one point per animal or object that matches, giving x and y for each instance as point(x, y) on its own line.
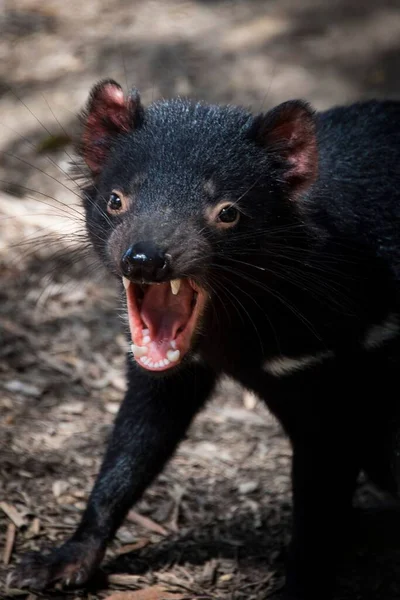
point(265, 248)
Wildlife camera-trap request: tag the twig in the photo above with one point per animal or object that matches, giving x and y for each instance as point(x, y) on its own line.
point(9, 545)
point(13, 514)
point(146, 522)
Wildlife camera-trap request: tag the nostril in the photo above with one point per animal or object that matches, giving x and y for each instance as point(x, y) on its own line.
point(145, 260)
point(127, 265)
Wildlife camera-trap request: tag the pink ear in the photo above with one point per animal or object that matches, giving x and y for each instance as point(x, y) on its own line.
point(289, 132)
point(107, 115)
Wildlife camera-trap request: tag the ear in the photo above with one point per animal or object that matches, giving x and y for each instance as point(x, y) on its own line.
point(108, 113)
point(288, 132)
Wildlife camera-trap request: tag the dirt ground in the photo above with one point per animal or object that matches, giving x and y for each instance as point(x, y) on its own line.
point(219, 516)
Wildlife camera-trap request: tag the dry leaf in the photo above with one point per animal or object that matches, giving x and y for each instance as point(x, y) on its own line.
point(17, 386)
point(247, 487)
point(10, 539)
point(13, 514)
point(146, 522)
point(249, 400)
point(179, 492)
point(66, 499)
point(132, 547)
point(155, 592)
point(123, 579)
point(73, 408)
point(59, 487)
point(210, 570)
point(33, 529)
point(226, 577)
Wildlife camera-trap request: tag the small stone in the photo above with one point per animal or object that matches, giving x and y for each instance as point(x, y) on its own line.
point(247, 487)
point(59, 487)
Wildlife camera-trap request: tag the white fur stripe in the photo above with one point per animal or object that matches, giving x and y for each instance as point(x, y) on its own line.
point(375, 337)
point(385, 331)
point(284, 365)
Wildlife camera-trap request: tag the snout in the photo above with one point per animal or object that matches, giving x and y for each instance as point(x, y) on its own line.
point(165, 302)
point(145, 262)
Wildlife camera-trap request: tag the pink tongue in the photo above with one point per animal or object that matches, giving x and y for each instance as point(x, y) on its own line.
point(163, 313)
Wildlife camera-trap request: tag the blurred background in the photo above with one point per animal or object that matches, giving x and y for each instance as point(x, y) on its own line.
point(216, 520)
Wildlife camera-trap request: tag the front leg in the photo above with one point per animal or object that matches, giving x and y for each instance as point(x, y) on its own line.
point(324, 474)
point(153, 418)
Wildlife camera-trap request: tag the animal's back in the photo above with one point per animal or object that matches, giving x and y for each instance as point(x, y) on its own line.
point(359, 174)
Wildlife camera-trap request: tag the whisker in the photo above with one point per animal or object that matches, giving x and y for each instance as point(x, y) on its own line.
point(22, 187)
point(241, 305)
point(264, 313)
point(26, 162)
point(76, 164)
point(275, 294)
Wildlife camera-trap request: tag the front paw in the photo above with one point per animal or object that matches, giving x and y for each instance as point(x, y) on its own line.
point(71, 565)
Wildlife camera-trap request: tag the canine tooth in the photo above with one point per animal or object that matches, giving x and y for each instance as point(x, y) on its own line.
point(146, 339)
point(173, 355)
point(145, 331)
point(138, 351)
point(175, 285)
point(173, 344)
point(126, 282)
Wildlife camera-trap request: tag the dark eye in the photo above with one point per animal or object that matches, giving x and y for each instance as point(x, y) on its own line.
point(117, 203)
point(228, 214)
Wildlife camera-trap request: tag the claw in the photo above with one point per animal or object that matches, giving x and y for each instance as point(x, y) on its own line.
point(68, 566)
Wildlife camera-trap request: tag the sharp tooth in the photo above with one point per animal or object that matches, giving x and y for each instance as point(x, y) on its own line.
point(139, 351)
point(126, 282)
point(173, 344)
point(146, 339)
point(175, 285)
point(173, 355)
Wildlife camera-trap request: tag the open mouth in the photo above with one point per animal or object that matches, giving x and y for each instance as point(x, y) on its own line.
point(162, 320)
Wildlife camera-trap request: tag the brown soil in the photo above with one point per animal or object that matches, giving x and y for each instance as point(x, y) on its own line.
point(224, 500)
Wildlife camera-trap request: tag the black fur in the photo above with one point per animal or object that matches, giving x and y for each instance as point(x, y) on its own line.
point(312, 265)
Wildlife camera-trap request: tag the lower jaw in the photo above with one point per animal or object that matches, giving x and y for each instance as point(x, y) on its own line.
point(160, 356)
point(157, 367)
point(166, 359)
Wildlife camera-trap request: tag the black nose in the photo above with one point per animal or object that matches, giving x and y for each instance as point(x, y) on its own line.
point(144, 261)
